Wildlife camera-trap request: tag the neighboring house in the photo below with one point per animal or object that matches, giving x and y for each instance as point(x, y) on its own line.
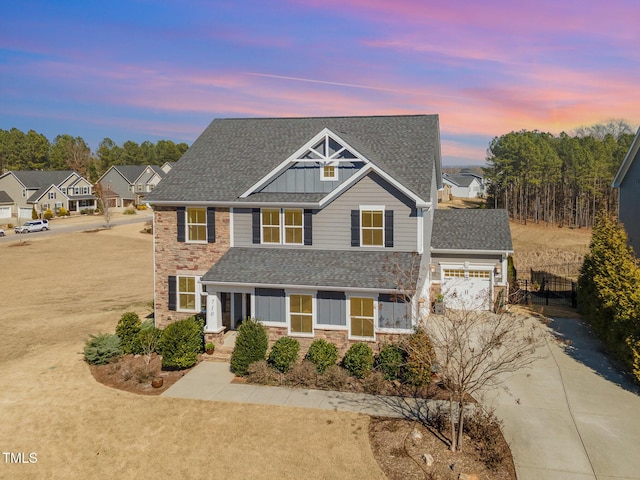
point(127, 185)
point(627, 181)
point(463, 185)
point(47, 189)
point(319, 227)
point(6, 205)
point(167, 166)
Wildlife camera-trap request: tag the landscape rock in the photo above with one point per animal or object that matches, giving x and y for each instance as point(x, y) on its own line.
point(468, 476)
point(428, 459)
point(416, 435)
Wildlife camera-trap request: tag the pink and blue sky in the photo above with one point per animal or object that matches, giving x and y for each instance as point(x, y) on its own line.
point(163, 69)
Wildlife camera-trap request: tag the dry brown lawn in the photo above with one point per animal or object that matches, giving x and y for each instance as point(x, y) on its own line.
point(59, 289)
point(557, 250)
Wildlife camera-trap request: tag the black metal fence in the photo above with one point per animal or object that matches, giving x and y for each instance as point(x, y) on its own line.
point(545, 289)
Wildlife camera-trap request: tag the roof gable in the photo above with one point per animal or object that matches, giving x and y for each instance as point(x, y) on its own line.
point(232, 155)
point(628, 160)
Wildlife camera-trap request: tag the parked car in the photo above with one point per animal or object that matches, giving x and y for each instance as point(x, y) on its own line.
point(33, 226)
point(1, 232)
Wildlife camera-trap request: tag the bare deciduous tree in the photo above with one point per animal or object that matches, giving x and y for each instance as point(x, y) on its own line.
point(104, 202)
point(474, 350)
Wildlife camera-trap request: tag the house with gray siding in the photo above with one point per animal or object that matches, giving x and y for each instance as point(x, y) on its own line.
point(627, 181)
point(127, 185)
point(320, 227)
point(47, 189)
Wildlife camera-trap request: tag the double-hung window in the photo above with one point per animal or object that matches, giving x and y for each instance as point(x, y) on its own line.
point(372, 227)
point(270, 225)
point(282, 226)
point(301, 313)
point(196, 224)
point(361, 317)
point(187, 293)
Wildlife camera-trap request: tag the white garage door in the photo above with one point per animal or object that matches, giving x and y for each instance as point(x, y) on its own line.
point(5, 212)
point(24, 212)
point(467, 290)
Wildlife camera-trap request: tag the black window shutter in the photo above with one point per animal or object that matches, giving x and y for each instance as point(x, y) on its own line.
point(355, 228)
point(308, 219)
point(388, 228)
point(255, 224)
point(172, 292)
point(211, 225)
point(181, 213)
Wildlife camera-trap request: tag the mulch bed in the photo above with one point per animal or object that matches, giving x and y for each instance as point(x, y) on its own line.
point(398, 452)
point(132, 374)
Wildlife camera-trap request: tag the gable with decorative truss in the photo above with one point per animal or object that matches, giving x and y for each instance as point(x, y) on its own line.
point(320, 166)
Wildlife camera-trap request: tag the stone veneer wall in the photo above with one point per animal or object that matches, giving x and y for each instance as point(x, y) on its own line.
point(182, 258)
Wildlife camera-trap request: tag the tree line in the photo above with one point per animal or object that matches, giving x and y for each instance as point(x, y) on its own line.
point(33, 151)
point(560, 180)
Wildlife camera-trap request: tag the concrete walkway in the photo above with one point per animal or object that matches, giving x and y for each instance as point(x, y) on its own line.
point(212, 381)
point(573, 415)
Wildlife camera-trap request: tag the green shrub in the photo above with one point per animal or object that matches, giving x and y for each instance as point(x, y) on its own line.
point(358, 360)
point(129, 211)
point(420, 358)
point(322, 354)
point(63, 212)
point(180, 344)
point(127, 329)
point(147, 340)
point(34, 214)
point(251, 346)
point(99, 349)
point(284, 353)
point(48, 214)
point(390, 361)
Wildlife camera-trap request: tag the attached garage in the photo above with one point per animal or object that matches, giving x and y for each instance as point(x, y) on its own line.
point(25, 212)
point(467, 289)
point(469, 251)
point(5, 211)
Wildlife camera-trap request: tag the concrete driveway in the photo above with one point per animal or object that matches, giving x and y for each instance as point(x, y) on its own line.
point(573, 415)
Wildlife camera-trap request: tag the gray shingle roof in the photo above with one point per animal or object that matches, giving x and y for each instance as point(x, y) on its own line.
point(231, 155)
point(307, 267)
point(5, 198)
point(32, 179)
point(471, 229)
point(130, 172)
point(459, 180)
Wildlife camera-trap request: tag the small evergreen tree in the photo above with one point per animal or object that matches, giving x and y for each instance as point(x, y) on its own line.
point(284, 354)
point(180, 343)
point(322, 354)
point(251, 345)
point(127, 329)
point(358, 360)
point(34, 214)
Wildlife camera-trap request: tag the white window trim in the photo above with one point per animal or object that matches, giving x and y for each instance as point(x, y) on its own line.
point(198, 293)
point(282, 227)
point(325, 178)
point(314, 309)
point(375, 208)
point(186, 226)
point(375, 317)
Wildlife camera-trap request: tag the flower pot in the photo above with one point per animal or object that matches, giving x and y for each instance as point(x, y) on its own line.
point(210, 351)
point(157, 382)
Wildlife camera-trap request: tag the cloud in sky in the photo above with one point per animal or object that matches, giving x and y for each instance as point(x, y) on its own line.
point(138, 70)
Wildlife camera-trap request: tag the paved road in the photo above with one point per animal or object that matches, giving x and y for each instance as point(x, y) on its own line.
point(573, 415)
point(79, 223)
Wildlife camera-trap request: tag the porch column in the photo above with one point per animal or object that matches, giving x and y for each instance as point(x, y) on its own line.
point(214, 313)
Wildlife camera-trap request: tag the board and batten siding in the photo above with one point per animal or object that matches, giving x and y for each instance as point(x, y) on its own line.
point(270, 305)
point(332, 225)
point(629, 209)
point(332, 309)
point(305, 178)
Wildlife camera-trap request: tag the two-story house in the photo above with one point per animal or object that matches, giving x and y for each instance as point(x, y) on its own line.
point(463, 185)
point(127, 185)
point(627, 181)
point(319, 227)
point(47, 189)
